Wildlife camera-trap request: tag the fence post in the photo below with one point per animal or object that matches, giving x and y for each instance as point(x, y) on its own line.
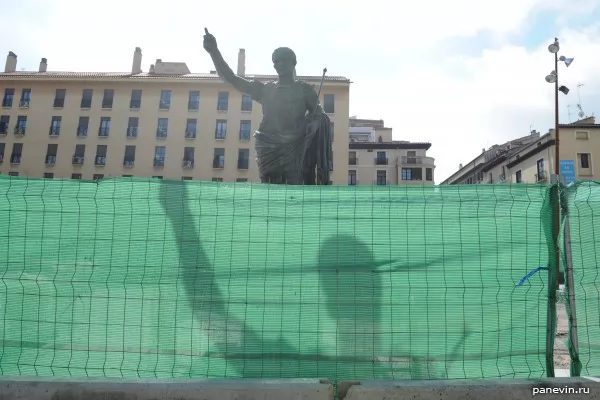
point(552, 278)
point(575, 368)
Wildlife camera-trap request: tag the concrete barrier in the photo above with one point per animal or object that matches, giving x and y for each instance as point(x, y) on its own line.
point(37, 388)
point(488, 389)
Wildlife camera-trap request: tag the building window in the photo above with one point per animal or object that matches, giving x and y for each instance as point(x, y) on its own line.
point(188, 157)
point(55, 126)
point(136, 99)
point(541, 172)
point(132, 127)
point(429, 174)
point(219, 158)
point(352, 159)
point(104, 127)
point(79, 154)
point(582, 135)
point(352, 177)
point(129, 158)
point(584, 160)
point(86, 98)
point(221, 129)
point(162, 128)
point(191, 128)
point(25, 98)
point(51, 153)
point(13, 174)
point(243, 158)
point(59, 98)
point(241, 180)
point(82, 126)
point(223, 101)
point(21, 127)
point(194, 100)
point(48, 175)
point(160, 154)
point(9, 95)
point(518, 177)
point(157, 177)
point(217, 179)
point(17, 153)
point(329, 103)
point(245, 129)
point(2, 149)
point(127, 176)
point(381, 178)
point(107, 100)
point(97, 177)
point(100, 155)
point(76, 176)
point(4, 123)
point(246, 102)
point(412, 174)
point(186, 178)
point(381, 158)
point(165, 100)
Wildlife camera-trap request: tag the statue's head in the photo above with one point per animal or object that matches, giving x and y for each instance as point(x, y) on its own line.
point(284, 61)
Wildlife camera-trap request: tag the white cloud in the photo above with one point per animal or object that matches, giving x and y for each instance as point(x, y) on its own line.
point(392, 51)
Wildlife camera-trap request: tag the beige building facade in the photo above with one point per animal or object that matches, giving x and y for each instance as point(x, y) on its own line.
point(531, 159)
point(165, 123)
point(375, 159)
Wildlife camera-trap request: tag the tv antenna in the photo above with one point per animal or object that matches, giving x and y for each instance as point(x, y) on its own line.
point(581, 113)
point(569, 112)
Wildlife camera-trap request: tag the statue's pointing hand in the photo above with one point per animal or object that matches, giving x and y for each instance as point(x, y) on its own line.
point(210, 43)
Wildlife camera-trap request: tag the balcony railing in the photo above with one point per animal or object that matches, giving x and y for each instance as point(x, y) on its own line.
point(15, 159)
point(242, 163)
point(50, 160)
point(416, 160)
point(132, 131)
point(190, 134)
point(20, 130)
point(352, 160)
point(77, 160)
point(161, 133)
point(381, 182)
point(100, 160)
point(54, 131)
point(381, 161)
point(159, 162)
point(81, 132)
point(187, 163)
point(128, 163)
point(218, 162)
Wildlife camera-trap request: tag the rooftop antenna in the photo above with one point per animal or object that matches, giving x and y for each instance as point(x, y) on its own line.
point(581, 113)
point(569, 112)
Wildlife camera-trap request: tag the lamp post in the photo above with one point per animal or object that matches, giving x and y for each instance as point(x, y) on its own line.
point(553, 78)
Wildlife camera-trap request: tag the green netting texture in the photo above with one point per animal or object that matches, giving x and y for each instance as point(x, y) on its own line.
point(159, 279)
point(583, 205)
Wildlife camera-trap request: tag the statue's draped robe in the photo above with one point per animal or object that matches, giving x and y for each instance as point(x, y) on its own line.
point(286, 151)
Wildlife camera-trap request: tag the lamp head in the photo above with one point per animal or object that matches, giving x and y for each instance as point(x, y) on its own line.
point(567, 61)
point(551, 77)
point(554, 47)
point(564, 89)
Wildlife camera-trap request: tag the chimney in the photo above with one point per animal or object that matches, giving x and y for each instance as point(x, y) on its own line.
point(241, 69)
point(136, 68)
point(11, 62)
point(151, 68)
point(483, 150)
point(459, 166)
point(43, 65)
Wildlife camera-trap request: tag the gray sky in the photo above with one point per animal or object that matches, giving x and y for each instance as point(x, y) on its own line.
point(461, 74)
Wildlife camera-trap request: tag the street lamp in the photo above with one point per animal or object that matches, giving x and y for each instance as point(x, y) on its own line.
point(552, 77)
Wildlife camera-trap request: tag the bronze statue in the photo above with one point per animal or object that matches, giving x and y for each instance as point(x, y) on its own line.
point(293, 141)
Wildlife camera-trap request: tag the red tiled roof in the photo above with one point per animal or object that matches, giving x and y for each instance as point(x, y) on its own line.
point(145, 75)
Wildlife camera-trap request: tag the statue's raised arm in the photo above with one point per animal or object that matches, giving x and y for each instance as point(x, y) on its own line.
point(253, 88)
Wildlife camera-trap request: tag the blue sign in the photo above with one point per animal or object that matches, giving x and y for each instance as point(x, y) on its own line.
point(567, 171)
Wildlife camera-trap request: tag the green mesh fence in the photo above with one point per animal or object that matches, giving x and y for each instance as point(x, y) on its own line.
point(583, 200)
point(159, 279)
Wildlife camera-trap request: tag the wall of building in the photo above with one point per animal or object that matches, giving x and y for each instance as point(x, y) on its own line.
point(41, 111)
point(367, 164)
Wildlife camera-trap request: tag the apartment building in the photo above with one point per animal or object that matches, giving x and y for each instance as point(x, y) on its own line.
point(531, 159)
point(164, 123)
point(375, 159)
